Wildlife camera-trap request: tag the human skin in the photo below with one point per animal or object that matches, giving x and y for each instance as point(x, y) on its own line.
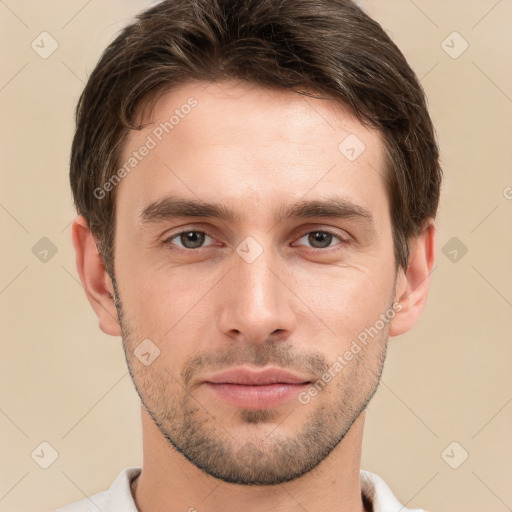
point(256, 151)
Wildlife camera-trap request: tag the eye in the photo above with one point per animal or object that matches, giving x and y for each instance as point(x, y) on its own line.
point(322, 239)
point(189, 239)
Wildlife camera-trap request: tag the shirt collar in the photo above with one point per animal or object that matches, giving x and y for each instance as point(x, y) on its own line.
point(119, 497)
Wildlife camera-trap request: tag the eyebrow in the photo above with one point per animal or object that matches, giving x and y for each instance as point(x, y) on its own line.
point(171, 207)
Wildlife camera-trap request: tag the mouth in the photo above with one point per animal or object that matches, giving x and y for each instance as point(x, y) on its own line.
point(263, 389)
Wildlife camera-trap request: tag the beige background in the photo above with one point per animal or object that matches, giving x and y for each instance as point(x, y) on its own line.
point(64, 382)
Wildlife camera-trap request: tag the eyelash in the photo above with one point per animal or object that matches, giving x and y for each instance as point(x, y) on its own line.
point(343, 240)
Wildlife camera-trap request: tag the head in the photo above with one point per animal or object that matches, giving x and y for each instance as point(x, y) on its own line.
point(256, 183)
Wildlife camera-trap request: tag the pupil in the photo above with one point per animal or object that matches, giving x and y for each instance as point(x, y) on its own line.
point(192, 239)
point(320, 239)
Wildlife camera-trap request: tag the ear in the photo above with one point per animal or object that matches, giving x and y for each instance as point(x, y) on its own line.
point(95, 279)
point(413, 284)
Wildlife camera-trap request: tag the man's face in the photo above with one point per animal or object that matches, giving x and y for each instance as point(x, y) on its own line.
point(265, 286)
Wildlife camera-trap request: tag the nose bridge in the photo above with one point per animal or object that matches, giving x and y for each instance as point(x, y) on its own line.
point(257, 284)
point(256, 302)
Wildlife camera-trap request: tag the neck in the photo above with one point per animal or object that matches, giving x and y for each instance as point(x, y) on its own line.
point(168, 480)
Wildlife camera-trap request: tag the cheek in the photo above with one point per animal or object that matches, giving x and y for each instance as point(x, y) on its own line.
point(170, 306)
point(332, 303)
point(344, 300)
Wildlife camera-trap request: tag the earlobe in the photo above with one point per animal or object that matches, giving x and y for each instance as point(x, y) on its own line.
point(94, 277)
point(413, 284)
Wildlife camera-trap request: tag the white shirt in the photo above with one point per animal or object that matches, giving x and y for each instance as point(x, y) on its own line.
point(119, 497)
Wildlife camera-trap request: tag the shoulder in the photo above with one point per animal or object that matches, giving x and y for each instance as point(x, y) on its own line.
point(91, 504)
point(377, 492)
point(117, 498)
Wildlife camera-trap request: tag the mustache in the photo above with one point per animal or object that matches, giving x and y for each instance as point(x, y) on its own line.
point(278, 354)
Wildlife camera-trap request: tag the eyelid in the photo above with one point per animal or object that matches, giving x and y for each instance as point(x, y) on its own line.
point(169, 238)
point(343, 236)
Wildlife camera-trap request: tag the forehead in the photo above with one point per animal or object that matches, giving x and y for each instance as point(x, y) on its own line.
point(250, 146)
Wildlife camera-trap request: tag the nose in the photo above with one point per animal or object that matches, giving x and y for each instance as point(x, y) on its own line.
point(257, 303)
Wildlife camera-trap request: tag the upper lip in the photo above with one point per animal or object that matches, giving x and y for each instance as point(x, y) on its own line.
point(261, 377)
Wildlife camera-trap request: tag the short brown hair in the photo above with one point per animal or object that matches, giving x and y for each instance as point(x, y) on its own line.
point(330, 47)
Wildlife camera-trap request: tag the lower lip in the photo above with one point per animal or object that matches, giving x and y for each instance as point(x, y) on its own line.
point(256, 397)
